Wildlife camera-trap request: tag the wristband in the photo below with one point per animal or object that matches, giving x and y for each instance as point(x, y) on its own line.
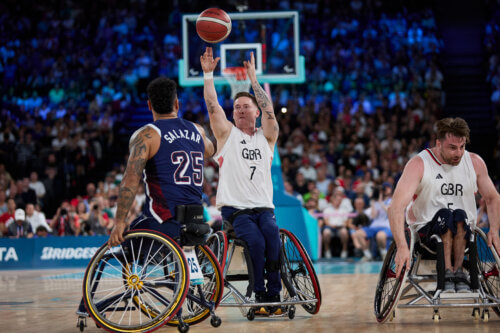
point(208, 76)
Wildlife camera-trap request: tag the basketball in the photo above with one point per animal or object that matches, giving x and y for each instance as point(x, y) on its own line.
point(213, 25)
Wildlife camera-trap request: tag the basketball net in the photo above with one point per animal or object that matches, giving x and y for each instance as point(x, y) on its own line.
point(237, 78)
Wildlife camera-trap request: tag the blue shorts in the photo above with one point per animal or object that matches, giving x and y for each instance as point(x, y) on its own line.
point(372, 231)
point(444, 220)
point(335, 231)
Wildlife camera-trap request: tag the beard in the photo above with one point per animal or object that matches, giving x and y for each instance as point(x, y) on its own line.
point(449, 159)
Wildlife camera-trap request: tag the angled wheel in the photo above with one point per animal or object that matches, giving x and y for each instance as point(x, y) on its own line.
point(148, 270)
point(489, 268)
point(217, 242)
point(298, 272)
point(196, 307)
point(388, 288)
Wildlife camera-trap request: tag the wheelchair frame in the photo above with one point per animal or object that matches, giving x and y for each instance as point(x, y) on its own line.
point(295, 268)
point(481, 261)
point(165, 267)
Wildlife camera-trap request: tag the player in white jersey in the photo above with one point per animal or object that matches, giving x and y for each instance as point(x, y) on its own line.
point(437, 190)
point(245, 192)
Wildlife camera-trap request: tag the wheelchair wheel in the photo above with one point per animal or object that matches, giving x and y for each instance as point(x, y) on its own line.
point(148, 270)
point(388, 287)
point(297, 268)
point(193, 310)
point(489, 268)
point(217, 242)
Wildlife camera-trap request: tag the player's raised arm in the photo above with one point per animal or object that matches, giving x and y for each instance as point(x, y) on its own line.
point(403, 194)
point(218, 121)
point(269, 122)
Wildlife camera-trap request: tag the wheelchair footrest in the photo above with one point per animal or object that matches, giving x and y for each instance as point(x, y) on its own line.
point(456, 296)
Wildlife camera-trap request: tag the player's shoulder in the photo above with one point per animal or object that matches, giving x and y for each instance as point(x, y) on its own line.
point(477, 161)
point(415, 162)
point(147, 131)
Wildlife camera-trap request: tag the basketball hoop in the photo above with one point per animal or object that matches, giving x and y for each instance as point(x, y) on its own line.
point(237, 78)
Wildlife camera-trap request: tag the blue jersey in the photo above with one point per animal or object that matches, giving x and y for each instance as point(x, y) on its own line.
point(174, 176)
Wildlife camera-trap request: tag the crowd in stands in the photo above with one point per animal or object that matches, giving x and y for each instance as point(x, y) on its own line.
point(72, 74)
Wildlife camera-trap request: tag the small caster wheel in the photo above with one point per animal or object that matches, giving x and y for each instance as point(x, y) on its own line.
point(476, 314)
point(183, 327)
point(486, 316)
point(81, 325)
point(291, 312)
point(215, 321)
point(251, 314)
point(436, 317)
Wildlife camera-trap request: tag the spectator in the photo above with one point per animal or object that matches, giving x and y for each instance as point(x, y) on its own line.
point(37, 186)
point(64, 222)
point(3, 202)
point(7, 217)
point(379, 229)
point(36, 218)
point(41, 232)
point(20, 228)
point(335, 218)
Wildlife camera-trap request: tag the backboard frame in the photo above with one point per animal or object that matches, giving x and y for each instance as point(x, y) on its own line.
point(186, 80)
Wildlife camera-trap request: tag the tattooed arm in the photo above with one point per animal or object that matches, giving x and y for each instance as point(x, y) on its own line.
point(269, 122)
point(144, 143)
point(221, 127)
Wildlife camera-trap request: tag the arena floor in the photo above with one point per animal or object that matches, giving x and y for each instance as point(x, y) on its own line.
point(46, 300)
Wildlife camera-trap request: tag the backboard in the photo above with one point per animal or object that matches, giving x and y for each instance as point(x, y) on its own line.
point(272, 36)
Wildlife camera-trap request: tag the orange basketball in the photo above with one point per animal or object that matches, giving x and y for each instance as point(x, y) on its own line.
point(213, 25)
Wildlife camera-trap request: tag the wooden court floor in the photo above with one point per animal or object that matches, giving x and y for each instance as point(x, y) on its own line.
point(46, 300)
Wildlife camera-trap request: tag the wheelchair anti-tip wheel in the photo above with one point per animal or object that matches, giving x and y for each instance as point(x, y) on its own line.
point(297, 268)
point(196, 308)
point(388, 287)
point(147, 271)
point(489, 268)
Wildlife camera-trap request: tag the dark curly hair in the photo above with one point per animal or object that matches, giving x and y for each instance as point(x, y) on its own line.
point(162, 93)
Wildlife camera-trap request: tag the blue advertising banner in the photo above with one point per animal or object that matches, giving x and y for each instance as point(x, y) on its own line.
point(50, 252)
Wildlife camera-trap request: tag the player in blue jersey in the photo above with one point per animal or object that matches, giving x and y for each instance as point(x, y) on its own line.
point(168, 156)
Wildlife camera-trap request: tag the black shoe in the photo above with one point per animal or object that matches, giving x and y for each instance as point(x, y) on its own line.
point(261, 297)
point(274, 309)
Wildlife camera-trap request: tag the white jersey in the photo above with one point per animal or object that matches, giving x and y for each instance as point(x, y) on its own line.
point(443, 186)
point(245, 171)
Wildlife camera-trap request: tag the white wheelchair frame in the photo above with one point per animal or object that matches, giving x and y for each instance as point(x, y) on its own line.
point(426, 280)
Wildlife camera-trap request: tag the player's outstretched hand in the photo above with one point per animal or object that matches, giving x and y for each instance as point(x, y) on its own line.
point(402, 259)
point(208, 63)
point(250, 67)
point(116, 236)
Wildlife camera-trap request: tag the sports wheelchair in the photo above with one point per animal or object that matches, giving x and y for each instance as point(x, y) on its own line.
point(148, 281)
point(300, 283)
point(421, 285)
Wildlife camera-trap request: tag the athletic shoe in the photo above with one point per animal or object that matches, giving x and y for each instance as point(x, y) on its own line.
point(462, 281)
point(260, 297)
point(343, 255)
point(275, 309)
point(449, 282)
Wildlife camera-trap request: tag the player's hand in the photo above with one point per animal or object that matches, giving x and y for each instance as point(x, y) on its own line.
point(402, 259)
point(250, 67)
point(116, 236)
point(208, 63)
point(493, 239)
